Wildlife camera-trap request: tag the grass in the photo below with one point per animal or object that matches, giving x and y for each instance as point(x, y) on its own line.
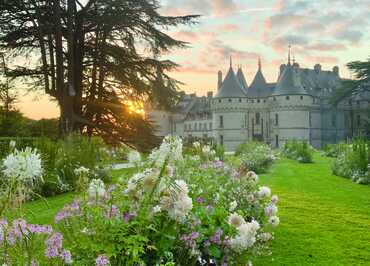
point(324, 219)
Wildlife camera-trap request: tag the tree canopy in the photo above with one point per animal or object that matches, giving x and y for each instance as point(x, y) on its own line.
point(95, 57)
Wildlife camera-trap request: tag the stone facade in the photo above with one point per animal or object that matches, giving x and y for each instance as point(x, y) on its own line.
point(297, 106)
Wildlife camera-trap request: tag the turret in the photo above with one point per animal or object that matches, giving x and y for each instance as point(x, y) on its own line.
point(219, 82)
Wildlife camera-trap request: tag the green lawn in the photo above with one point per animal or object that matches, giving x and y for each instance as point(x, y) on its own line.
point(324, 219)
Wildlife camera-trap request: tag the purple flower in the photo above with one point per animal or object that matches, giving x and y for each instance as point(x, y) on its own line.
point(53, 245)
point(190, 239)
point(34, 263)
point(216, 238)
point(113, 212)
point(200, 200)
point(69, 210)
point(102, 260)
point(66, 256)
point(128, 216)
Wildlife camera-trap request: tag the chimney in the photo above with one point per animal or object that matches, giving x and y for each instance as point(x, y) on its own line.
point(317, 68)
point(210, 94)
point(336, 70)
point(219, 83)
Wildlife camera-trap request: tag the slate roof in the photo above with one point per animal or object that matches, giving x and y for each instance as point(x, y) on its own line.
point(258, 87)
point(230, 87)
point(241, 79)
point(289, 82)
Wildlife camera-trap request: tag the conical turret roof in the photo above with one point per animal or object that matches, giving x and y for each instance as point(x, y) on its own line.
point(258, 87)
point(241, 79)
point(289, 82)
point(230, 87)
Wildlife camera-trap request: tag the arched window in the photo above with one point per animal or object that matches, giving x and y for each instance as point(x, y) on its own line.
point(258, 118)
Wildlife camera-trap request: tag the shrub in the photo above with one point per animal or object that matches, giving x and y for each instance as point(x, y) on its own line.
point(353, 162)
point(300, 151)
point(334, 150)
point(174, 211)
point(255, 156)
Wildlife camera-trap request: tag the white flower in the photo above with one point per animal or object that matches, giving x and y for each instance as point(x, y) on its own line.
point(252, 177)
point(196, 145)
point(264, 192)
point(236, 220)
point(265, 237)
point(271, 210)
point(81, 170)
point(206, 149)
point(181, 186)
point(274, 221)
point(170, 151)
point(156, 209)
point(246, 236)
point(96, 189)
point(25, 165)
point(134, 157)
point(12, 144)
point(233, 206)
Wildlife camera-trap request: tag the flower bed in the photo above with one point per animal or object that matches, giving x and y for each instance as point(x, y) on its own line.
point(255, 156)
point(354, 162)
point(175, 210)
point(300, 151)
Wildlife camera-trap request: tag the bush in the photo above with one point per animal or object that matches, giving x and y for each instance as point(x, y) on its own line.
point(334, 150)
point(300, 151)
point(61, 157)
point(173, 211)
point(255, 156)
point(353, 162)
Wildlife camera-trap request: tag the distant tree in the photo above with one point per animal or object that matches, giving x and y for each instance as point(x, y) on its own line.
point(96, 57)
point(360, 83)
point(43, 128)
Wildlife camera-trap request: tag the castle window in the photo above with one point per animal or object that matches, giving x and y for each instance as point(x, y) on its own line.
point(287, 97)
point(221, 140)
point(200, 126)
point(258, 100)
point(210, 126)
point(276, 119)
point(205, 126)
point(252, 101)
point(301, 97)
point(358, 120)
point(264, 101)
point(277, 141)
point(221, 121)
point(258, 118)
point(189, 126)
point(310, 119)
point(240, 100)
point(195, 126)
point(350, 102)
point(274, 98)
point(230, 100)
point(185, 127)
point(333, 120)
point(219, 101)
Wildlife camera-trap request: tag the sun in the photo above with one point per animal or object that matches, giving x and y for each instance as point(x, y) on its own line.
point(136, 107)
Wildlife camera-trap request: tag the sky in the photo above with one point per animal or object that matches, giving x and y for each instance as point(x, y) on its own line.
point(328, 32)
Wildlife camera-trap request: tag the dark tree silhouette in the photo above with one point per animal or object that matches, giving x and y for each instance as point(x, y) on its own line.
point(95, 57)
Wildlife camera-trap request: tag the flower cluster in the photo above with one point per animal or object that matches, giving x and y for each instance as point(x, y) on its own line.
point(24, 165)
point(134, 157)
point(169, 151)
point(176, 201)
point(18, 240)
point(96, 189)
